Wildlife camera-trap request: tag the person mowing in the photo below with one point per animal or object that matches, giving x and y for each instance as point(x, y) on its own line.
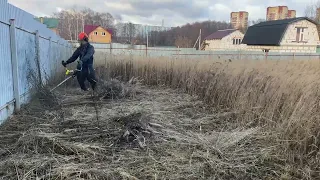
point(85, 64)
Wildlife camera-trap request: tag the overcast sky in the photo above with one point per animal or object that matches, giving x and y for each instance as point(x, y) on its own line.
point(174, 12)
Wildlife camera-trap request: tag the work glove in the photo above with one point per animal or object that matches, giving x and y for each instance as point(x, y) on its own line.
point(64, 63)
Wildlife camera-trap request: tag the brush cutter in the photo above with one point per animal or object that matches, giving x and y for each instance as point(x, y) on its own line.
point(71, 74)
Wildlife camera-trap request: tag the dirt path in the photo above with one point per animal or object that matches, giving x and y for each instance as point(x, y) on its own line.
point(152, 134)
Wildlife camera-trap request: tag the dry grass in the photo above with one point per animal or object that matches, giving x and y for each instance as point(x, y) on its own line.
point(155, 134)
point(281, 97)
point(241, 120)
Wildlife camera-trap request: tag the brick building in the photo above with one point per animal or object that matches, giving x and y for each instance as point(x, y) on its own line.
point(239, 20)
point(292, 13)
point(279, 12)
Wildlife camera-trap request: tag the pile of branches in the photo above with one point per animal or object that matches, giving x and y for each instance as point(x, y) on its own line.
point(135, 127)
point(115, 89)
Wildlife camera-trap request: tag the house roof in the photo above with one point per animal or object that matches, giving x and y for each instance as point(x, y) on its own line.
point(49, 22)
point(220, 34)
point(89, 28)
point(269, 33)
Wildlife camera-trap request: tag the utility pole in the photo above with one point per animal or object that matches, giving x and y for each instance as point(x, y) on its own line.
point(200, 40)
point(147, 44)
point(196, 43)
point(147, 39)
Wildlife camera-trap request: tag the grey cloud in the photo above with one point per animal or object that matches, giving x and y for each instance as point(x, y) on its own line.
point(174, 11)
point(147, 9)
point(187, 8)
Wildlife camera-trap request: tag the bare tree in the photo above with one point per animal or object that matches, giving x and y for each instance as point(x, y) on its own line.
point(96, 18)
point(72, 21)
point(153, 38)
point(66, 25)
point(189, 31)
point(183, 42)
point(128, 32)
point(253, 22)
point(311, 11)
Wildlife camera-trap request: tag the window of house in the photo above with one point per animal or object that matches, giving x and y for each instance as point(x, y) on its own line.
point(95, 33)
point(103, 33)
point(300, 34)
point(236, 41)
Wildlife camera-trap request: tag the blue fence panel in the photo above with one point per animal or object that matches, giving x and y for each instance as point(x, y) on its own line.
point(51, 54)
point(45, 63)
point(6, 83)
point(26, 54)
point(59, 51)
point(54, 55)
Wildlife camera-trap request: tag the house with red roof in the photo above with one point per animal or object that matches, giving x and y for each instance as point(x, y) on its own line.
point(98, 34)
point(227, 39)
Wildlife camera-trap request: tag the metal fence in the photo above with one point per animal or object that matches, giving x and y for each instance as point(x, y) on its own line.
point(105, 51)
point(24, 42)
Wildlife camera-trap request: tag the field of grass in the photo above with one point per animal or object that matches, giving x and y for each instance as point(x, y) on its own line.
point(171, 119)
point(130, 132)
point(279, 97)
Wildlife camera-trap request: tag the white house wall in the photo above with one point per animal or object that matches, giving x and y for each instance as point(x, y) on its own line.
point(310, 35)
point(288, 43)
point(226, 43)
point(214, 44)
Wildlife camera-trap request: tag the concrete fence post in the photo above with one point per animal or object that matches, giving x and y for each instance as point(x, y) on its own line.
point(50, 60)
point(110, 52)
point(15, 65)
point(38, 56)
point(266, 56)
point(58, 58)
point(310, 56)
point(146, 51)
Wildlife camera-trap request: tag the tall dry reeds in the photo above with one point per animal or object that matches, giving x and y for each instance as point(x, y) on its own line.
point(280, 96)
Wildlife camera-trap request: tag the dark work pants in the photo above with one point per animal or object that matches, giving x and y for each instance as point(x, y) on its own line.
point(87, 73)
